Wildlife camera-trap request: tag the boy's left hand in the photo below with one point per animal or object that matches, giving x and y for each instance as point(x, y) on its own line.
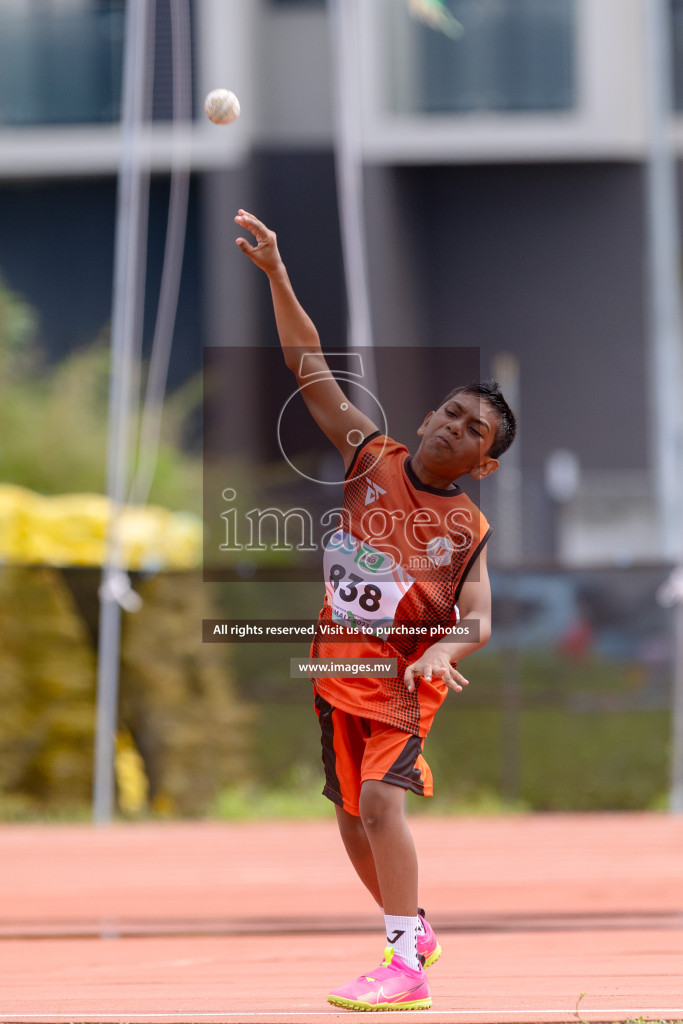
point(434, 664)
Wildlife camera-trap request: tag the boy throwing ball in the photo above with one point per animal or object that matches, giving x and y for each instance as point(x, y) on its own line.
point(405, 566)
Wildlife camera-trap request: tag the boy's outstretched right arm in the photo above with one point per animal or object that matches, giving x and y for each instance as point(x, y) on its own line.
point(298, 337)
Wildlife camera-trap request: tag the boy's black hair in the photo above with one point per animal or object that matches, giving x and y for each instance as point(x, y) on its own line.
point(490, 391)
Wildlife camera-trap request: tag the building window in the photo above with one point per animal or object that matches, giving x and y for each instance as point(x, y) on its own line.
point(677, 52)
point(60, 66)
point(488, 55)
point(63, 64)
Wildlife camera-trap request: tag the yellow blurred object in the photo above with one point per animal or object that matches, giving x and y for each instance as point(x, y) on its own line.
point(71, 529)
point(17, 509)
point(131, 779)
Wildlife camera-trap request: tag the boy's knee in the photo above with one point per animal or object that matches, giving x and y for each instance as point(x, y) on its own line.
point(380, 803)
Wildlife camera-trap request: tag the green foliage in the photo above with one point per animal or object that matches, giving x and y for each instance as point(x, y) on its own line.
point(296, 796)
point(53, 419)
point(18, 324)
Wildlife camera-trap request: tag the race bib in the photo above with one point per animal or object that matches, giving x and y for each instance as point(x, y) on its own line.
point(364, 585)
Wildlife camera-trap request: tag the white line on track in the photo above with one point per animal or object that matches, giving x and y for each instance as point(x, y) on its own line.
point(522, 1012)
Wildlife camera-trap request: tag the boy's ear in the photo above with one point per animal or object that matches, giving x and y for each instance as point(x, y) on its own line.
point(485, 468)
point(421, 428)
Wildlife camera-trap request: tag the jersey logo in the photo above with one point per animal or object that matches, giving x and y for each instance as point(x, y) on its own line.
point(373, 492)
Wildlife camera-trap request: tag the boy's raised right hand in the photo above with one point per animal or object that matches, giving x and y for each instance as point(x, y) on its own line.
point(265, 254)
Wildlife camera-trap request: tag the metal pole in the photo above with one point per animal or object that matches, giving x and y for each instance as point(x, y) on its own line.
point(665, 299)
point(508, 479)
point(128, 289)
point(508, 482)
point(345, 37)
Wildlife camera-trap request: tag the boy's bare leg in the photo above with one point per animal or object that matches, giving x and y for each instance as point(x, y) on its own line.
point(358, 848)
point(393, 852)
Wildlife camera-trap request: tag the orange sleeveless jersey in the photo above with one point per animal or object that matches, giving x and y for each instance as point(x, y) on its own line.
point(393, 572)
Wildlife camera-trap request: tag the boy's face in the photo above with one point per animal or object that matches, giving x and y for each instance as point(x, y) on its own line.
point(456, 437)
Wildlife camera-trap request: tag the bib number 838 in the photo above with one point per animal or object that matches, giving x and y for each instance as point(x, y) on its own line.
point(370, 596)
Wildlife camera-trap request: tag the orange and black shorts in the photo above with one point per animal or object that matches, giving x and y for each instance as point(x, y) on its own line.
point(357, 749)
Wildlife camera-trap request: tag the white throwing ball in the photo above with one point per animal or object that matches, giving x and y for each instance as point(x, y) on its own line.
point(222, 106)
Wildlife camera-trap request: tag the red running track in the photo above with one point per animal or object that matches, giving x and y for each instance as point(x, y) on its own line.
point(541, 918)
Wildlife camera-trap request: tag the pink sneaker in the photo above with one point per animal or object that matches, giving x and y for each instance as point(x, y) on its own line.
point(427, 944)
point(392, 986)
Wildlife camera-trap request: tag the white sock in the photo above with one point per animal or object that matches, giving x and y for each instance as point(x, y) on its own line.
point(421, 928)
point(402, 935)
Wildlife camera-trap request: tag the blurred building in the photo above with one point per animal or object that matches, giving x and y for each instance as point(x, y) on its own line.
point(504, 160)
